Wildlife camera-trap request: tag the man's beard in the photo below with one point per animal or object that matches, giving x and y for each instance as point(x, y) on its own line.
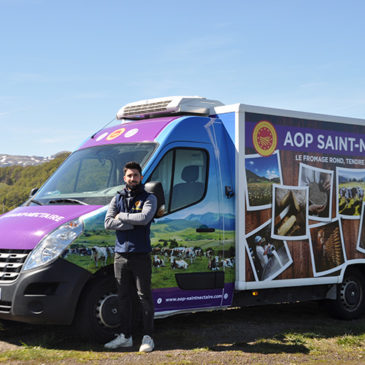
point(133, 187)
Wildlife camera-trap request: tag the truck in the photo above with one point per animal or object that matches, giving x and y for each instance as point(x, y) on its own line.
point(262, 206)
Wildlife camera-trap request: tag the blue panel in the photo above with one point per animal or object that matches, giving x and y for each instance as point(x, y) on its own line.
point(228, 120)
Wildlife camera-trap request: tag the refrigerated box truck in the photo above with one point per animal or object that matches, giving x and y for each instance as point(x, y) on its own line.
point(261, 206)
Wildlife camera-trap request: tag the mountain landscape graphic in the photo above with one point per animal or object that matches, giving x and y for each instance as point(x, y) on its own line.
point(253, 178)
point(211, 220)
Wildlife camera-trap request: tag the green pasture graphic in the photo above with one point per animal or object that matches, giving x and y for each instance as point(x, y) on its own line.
point(261, 174)
point(260, 193)
point(177, 247)
point(210, 253)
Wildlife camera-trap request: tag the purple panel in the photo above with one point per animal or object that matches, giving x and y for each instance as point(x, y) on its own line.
point(177, 299)
point(139, 131)
point(294, 138)
point(23, 227)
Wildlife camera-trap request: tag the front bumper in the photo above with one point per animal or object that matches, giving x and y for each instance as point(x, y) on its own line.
point(47, 295)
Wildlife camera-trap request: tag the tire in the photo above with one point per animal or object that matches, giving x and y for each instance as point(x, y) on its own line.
point(98, 314)
point(350, 301)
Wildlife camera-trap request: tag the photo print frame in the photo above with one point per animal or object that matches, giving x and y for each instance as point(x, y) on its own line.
point(290, 212)
point(360, 246)
point(321, 185)
point(327, 247)
point(350, 192)
point(261, 172)
point(268, 257)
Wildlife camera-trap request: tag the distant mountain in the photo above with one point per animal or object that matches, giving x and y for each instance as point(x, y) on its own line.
point(344, 180)
point(176, 224)
point(275, 180)
point(214, 220)
point(16, 181)
point(253, 178)
point(19, 160)
point(211, 220)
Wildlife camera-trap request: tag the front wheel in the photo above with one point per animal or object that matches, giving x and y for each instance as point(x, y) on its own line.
point(98, 314)
point(350, 300)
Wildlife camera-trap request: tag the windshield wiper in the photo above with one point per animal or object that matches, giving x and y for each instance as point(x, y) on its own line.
point(66, 200)
point(35, 201)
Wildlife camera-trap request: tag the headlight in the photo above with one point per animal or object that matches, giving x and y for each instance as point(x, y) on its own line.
point(53, 244)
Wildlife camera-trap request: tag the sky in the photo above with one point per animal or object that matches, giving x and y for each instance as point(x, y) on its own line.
point(264, 166)
point(66, 67)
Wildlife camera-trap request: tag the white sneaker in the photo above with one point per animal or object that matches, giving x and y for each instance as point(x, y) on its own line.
point(147, 344)
point(119, 341)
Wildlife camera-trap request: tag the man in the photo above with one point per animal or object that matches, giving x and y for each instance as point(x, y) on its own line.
point(130, 214)
point(262, 251)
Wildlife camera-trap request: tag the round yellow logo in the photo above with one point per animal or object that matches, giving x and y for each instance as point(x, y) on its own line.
point(115, 134)
point(264, 138)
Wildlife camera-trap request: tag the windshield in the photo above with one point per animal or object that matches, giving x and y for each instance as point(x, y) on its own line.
point(92, 175)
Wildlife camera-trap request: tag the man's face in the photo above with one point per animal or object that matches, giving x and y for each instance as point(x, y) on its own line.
point(132, 177)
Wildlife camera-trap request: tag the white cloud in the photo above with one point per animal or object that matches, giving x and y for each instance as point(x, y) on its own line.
point(271, 174)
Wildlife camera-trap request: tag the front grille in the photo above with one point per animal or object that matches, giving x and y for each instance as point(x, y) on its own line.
point(11, 263)
point(5, 307)
point(146, 108)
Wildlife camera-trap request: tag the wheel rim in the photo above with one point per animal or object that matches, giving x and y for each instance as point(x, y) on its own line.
point(351, 294)
point(108, 311)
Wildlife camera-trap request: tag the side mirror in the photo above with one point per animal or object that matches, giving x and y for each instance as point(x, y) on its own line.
point(33, 191)
point(155, 188)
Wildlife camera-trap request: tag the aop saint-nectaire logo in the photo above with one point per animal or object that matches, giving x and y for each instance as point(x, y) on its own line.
point(265, 138)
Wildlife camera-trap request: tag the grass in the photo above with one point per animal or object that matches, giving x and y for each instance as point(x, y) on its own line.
point(282, 334)
point(259, 193)
point(38, 353)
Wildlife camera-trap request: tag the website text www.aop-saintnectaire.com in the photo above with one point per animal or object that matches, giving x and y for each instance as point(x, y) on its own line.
point(194, 297)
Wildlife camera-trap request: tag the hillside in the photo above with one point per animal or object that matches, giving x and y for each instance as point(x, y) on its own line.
point(253, 178)
point(16, 182)
point(22, 160)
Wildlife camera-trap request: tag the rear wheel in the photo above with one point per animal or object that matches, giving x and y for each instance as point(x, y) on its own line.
point(350, 300)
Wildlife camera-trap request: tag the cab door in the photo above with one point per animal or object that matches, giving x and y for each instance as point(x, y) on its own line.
point(188, 252)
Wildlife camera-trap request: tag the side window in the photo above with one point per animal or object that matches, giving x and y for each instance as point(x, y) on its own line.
point(183, 174)
point(163, 174)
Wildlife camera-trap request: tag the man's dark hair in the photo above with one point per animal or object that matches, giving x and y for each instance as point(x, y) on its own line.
point(132, 165)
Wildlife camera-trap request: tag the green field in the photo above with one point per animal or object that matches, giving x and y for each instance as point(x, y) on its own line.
point(163, 277)
point(259, 193)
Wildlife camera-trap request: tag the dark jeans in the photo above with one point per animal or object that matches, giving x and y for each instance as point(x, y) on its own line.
point(133, 274)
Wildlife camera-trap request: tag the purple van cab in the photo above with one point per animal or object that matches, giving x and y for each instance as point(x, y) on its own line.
point(56, 258)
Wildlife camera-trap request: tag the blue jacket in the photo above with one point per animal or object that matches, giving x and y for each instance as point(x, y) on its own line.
point(138, 238)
